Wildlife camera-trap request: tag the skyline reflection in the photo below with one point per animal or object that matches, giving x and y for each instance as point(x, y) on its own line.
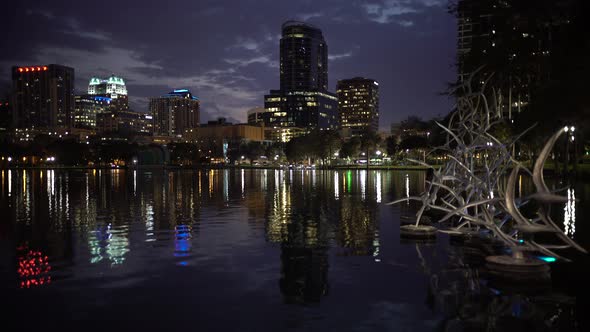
point(303, 237)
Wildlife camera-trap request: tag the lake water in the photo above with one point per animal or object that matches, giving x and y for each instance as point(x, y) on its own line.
point(256, 250)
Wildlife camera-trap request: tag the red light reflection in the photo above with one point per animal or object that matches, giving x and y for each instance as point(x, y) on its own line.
point(33, 268)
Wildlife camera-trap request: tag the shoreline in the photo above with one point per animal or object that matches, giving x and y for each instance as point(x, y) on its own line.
point(195, 167)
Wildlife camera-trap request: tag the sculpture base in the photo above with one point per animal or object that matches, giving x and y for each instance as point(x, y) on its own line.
point(509, 265)
point(420, 231)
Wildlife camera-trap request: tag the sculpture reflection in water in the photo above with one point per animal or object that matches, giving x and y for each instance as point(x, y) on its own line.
point(468, 299)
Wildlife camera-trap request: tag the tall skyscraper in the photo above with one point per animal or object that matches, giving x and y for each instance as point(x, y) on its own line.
point(303, 100)
point(304, 58)
point(358, 104)
point(42, 97)
point(174, 113)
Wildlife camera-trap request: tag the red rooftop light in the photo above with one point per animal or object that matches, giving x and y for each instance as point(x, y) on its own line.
point(20, 70)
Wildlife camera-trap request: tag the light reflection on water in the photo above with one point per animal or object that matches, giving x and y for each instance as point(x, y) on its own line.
point(569, 213)
point(272, 237)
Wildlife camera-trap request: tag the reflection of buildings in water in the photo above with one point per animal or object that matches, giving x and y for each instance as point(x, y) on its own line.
point(226, 185)
point(304, 274)
point(279, 214)
point(407, 182)
point(9, 180)
point(363, 182)
point(110, 244)
point(242, 181)
point(569, 213)
point(378, 189)
point(255, 203)
point(358, 226)
point(33, 268)
point(336, 186)
point(182, 242)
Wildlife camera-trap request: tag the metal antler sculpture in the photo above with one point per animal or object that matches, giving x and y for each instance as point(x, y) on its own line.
point(468, 187)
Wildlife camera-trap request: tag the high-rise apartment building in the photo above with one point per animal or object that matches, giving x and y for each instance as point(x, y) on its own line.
point(42, 97)
point(358, 104)
point(174, 113)
point(303, 100)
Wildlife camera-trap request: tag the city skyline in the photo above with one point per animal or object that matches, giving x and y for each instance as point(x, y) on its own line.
point(230, 58)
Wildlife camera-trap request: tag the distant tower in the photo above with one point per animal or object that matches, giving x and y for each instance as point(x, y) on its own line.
point(358, 104)
point(174, 113)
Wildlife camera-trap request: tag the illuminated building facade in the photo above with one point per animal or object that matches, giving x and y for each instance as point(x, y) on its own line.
point(304, 109)
point(130, 122)
point(175, 113)
point(283, 134)
point(358, 104)
point(303, 99)
point(87, 107)
point(42, 96)
point(113, 87)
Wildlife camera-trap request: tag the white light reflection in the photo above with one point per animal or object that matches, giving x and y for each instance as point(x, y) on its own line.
point(363, 180)
point(569, 213)
point(225, 185)
point(51, 182)
point(378, 186)
point(264, 179)
point(336, 186)
point(408, 187)
point(134, 181)
point(376, 245)
point(242, 175)
point(149, 222)
point(9, 182)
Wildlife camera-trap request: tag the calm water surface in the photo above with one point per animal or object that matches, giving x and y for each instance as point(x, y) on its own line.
point(256, 250)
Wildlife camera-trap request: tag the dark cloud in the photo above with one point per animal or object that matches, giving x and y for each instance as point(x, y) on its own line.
point(227, 52)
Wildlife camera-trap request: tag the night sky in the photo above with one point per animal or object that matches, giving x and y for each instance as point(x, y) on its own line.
point(227, 52)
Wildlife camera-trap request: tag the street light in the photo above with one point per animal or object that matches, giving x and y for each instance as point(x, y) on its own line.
point(9, 159)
